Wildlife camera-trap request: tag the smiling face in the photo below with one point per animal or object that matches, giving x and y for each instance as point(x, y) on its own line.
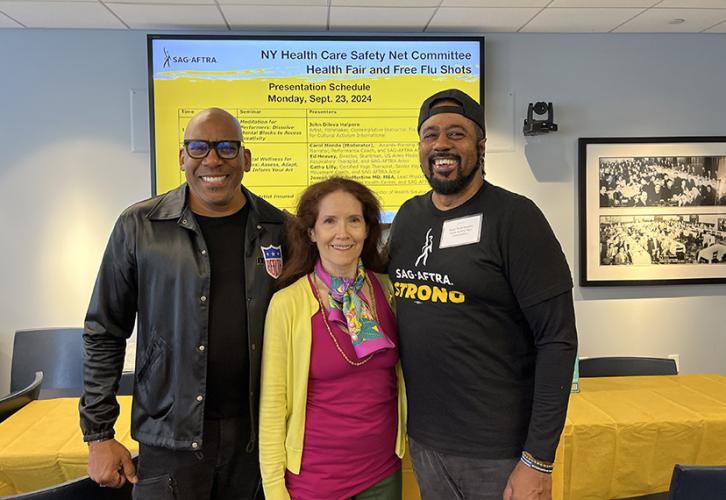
point(339, 233)
point(214, 183)
point(450, 148)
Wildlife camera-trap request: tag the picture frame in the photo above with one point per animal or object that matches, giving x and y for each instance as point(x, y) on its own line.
point(652, 210)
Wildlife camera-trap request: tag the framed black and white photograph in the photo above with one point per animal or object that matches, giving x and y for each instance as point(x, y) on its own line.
point(652, 210)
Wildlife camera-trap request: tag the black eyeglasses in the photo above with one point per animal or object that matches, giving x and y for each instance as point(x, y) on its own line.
point(198, 149)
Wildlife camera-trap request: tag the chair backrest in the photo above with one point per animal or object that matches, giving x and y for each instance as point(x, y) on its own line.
point(15, 400)
point(698, 482)
point(77, 489)
point(57, 352)
point(624, 366)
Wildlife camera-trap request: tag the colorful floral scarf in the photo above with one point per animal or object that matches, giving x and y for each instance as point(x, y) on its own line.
point(352, 313)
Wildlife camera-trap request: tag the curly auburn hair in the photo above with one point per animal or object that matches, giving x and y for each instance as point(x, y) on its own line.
point(303, 253)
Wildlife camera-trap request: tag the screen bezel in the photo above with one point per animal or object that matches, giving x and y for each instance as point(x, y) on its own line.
point(151, 38)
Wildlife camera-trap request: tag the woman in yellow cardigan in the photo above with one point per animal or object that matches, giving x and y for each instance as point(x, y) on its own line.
point(332, 406)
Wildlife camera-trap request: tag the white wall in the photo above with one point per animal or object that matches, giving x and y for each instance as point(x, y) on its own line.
point(67, 168)
point(614, 86)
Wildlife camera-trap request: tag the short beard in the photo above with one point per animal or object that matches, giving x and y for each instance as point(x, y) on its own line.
point(448, 187)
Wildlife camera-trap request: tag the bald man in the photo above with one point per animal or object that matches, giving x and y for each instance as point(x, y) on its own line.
point(194, 268)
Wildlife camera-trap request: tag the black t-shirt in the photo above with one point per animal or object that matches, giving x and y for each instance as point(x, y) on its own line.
point(462, 278)
point(227, 355)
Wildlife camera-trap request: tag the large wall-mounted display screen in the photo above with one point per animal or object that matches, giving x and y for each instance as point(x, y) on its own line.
point(309, 107)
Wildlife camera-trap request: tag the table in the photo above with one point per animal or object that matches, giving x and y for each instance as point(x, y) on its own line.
point(623, 435)
point(41, 445)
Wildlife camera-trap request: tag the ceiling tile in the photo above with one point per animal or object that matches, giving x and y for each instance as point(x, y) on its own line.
point(379, 19)
point(604, 3)
point(6, 22)
point(658, 21)
point(276, 17)
point(494, 3)
point(692, 4)
point(60, 14)
point(169, 2)
point(319, 3)
point(578, 20)
point(63, 1)
point(719, 28)
point(385, 3)
point(486, 19)
point(139, 16)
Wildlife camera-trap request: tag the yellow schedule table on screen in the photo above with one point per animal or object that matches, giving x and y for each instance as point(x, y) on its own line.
point(41, 445)
point(310, 108)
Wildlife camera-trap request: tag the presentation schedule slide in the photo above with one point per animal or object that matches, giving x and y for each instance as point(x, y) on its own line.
point(309, 109)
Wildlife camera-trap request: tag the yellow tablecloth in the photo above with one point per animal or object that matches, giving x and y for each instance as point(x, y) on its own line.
point(41, 445)
point(623, 435)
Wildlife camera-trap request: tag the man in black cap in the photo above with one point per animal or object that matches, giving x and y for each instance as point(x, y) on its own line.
point(486, 320)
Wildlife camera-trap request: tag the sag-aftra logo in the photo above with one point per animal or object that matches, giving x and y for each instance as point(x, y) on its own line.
point(169, 59)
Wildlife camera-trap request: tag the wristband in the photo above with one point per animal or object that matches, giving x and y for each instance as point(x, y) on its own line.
point(538, 465)
point(100, 440)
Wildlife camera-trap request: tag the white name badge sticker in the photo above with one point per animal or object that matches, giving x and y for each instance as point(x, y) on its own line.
point(461, 231)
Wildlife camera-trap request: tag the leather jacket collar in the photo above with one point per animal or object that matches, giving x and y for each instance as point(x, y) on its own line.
point(173, 205)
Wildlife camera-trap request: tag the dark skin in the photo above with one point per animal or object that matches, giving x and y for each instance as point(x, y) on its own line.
point(109, 464)
point(526, 483)
point(451, 137)
point(214, 182)
point(450, 146)
point(214, 191)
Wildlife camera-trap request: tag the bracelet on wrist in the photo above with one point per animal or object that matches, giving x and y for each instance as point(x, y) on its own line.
point(538, 465)
point(101, 440)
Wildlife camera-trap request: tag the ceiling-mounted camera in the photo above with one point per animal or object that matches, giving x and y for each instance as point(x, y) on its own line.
point(533, 126)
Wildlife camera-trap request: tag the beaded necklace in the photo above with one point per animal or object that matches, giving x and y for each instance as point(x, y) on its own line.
point(313, 278)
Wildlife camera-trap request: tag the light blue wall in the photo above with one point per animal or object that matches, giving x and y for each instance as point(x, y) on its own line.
point(66, 170)
point(614, 86)
point(67, 167)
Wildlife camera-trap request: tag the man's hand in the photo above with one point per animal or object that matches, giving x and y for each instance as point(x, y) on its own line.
point(109, 464)
point(526, 483)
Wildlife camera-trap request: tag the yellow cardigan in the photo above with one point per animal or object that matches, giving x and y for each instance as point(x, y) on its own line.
point(284, 385)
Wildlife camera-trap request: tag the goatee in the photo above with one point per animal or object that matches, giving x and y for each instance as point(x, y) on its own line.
point(448, 187)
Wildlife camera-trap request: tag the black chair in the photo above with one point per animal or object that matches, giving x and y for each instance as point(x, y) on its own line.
point(15, 400)
point(57, 352)
point(624, 366)
point(698, 482)
point(78, 489)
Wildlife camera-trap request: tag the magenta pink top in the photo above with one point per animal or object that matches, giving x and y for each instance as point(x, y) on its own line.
point(351, 414)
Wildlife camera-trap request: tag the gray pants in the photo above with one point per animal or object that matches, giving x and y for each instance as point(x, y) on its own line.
point(446, 477)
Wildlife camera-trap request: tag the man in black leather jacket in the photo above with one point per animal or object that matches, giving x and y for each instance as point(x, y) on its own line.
point(195, 268)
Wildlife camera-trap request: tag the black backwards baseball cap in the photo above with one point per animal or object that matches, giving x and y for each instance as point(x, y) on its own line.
point(467, 107)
